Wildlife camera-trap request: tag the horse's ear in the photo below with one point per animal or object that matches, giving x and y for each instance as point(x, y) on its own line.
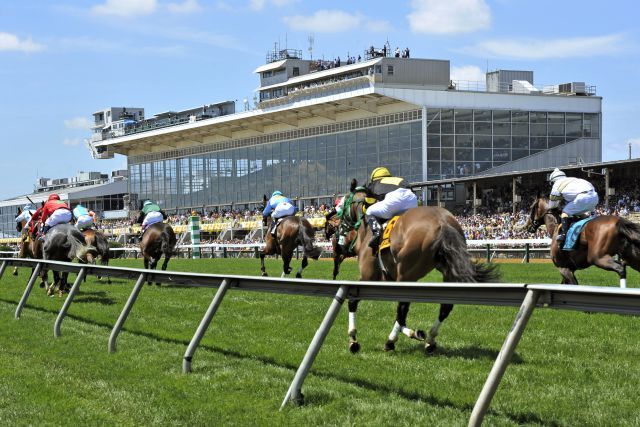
point(264, 198)
point(354, 184)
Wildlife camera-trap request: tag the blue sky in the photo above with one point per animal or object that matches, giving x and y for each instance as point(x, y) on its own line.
point(62, 60)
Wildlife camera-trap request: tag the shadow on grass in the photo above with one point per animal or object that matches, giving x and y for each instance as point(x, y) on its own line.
point(468, 353)
point(320, 398)
point(95, 297)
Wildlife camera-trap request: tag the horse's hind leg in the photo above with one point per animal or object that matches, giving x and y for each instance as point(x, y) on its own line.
point(568, 276)
point(354, 345)
point(164, 266)
point(607, 262)
point(152, 266)
point(430, 345)
point(305, 262)
point(401, 326)
point(337, 260)
point(286, 264)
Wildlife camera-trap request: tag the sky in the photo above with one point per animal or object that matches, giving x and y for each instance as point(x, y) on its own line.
point(62, 60)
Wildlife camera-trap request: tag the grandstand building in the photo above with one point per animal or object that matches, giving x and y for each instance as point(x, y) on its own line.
point(316, 125)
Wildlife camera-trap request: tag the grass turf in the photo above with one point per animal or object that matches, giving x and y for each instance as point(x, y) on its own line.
point(570, 368)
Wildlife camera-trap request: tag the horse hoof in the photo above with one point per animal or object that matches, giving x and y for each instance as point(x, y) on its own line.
point(419, 335)
point(41, 285)
point(298, 276)
point(15, 272)
point(354, 347)
point(389, 346)
point(429, 349)
point(264, 274)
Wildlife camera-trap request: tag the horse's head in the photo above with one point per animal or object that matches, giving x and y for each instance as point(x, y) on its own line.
point(537, 211)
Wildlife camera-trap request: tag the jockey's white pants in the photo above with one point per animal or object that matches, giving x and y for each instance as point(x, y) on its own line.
point(60, 216)
point(583, 203)
point(84, 222)
point(151, 218)
point(393, 203)
point(283, 209)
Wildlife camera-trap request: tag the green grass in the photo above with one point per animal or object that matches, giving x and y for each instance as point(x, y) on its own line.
point(570, 368)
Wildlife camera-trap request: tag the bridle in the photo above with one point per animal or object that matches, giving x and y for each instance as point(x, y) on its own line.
point(347, 220)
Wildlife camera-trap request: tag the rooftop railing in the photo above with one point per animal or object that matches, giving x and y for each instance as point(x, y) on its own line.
point(555, 89)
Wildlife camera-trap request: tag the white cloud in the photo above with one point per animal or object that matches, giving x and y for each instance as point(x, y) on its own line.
point(545, 49)
point(261, 4)
point(224, 6)
point(10, 41)
point(125, 8)
point(71, 141)
point(187, 6)
point(470, 73)
point(450, 17)
point(77, 123)
point(334, 21)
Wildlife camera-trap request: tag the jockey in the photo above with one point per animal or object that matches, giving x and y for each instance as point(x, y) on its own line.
point(84, 220)
point(54, 212)
point(392, 197)
point(580, 197)
point(150, 213)
point(278, 207)
point(25, 215)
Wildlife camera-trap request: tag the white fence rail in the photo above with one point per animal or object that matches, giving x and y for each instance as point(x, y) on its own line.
point(525, 296)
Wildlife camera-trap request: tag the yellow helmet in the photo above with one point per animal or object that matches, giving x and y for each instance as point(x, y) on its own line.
point(379, 173)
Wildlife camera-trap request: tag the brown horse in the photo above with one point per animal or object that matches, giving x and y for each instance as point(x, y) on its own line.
point(600, 240)
point(291, 232)
point(30, 247)
point(340, 230)
point(424, 238)
point(99, 241)
point(158, 239)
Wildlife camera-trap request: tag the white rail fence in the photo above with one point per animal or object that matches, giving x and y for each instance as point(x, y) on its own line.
point(526, 296)
point(520, 249)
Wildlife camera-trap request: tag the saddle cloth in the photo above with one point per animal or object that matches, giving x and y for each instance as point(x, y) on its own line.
point(386, 234)
point(573, 235)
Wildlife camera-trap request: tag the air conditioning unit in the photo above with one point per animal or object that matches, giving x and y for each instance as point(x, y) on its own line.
point(573, 87)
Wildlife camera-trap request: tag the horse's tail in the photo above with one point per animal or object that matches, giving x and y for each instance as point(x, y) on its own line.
point(306, 241)
point(168, 244)
point(78, 246)
point(630, 242)
point(454, 261)
point(102, 245)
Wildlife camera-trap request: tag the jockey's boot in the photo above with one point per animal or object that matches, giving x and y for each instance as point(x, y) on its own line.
point(43, 232)
point(376, 230)
point(562, 235)
point(274, 225)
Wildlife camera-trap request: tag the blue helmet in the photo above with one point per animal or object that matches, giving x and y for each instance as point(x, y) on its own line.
point(276, 193)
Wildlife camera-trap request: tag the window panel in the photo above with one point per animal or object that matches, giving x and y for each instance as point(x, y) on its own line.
point(482, 141)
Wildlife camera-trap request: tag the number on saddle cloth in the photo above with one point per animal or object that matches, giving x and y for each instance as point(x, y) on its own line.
point(386, 234)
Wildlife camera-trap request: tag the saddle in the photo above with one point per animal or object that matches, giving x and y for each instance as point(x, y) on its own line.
point(573, 235)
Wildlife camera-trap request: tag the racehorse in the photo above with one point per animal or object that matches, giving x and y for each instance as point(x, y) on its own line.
point(157, 240)
point(423, 238)
point(99, 241)
point(30, 247)
point(340, 230)
point(290, 232)
point(600, 240)
point(64, 242)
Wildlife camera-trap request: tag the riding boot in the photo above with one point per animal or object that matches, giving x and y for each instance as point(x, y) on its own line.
point(563, 230)
point(274, 225)
point(376, 230)
point(43, 232)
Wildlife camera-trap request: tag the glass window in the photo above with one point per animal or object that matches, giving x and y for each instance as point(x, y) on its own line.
point(518, 154)
point(502, 115)
point(464, 128)
point(446, 115)
point(538, 143)
point(539, 129)
point(463, 115)
point(482, 128)
point(447, 127)
point(574, 125)
point(433, 114)
point(556, 129)
point(555, 117)
point(555, 141)
point(501, 155)
point(447, 140)
point(433, 127)
point(482, 115)
point(482, 141)
point(433, 140)
point(433, 153)
point(502, 128)
point(591, 125)
point(464, 141)
point(464, 154)
point(481, 155)
point(520, 116)
point(538, 117)
point(390, 70)
point(447, 154)
point(501, 142)
point(520, 128)
point(520, 142)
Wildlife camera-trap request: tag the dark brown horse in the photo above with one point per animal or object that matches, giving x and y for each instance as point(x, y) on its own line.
point(99, 241)
point(291, 232)
point(424, 238)
point(600, 240)
point(340, 230)
point(30, 247)
point(158, 240)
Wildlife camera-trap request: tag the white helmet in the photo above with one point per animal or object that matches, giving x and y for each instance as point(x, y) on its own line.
point(556, 174)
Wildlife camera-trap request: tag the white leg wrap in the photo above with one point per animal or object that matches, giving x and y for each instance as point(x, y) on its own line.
point(352, 320)
point(623, 283)
point(300, 270)
point(408, 332)
point(433, 332)
point(283, 275)
point(393, 336)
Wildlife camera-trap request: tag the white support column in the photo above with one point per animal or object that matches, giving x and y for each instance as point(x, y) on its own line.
point(424, 144)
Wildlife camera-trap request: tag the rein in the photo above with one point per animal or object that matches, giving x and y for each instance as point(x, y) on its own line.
point(347, 222)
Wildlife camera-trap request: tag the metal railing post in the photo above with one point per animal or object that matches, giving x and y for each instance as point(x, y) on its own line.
point(3, 268)
point(526, 253)
point(504, 357)
point(27, 290)
point(295, 389)
point(488, 253)
point(125, 312)
point(204, 325)
point(67, 303)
